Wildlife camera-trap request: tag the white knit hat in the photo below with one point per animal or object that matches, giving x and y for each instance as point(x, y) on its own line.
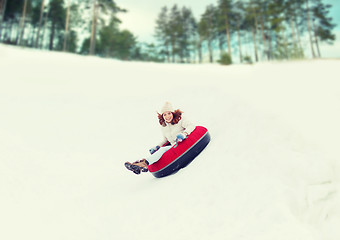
point(167, 108)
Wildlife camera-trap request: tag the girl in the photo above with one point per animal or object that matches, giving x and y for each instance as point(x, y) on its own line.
point(175, 129)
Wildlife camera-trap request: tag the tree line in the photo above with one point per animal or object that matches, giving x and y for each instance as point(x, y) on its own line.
point(250, 30)
point(272, 29)
point(79, 26)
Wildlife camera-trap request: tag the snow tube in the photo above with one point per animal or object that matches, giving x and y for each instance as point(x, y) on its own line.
point(181, 154)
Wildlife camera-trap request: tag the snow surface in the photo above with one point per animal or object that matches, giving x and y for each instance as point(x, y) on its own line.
point(68, 123)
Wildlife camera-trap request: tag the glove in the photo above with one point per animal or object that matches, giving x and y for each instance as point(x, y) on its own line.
point(154, 149)
point(180, 137)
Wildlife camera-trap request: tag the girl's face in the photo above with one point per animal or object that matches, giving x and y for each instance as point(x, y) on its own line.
point(168, 117)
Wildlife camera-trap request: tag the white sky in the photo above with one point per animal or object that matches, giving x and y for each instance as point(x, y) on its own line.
point(141, 17)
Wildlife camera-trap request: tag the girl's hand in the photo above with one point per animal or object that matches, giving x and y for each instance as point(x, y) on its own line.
point(180, 137)
point(154, 149)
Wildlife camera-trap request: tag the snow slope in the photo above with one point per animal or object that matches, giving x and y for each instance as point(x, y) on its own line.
point(68, 123)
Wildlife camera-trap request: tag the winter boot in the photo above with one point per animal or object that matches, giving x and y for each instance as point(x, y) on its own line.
point(138, 166)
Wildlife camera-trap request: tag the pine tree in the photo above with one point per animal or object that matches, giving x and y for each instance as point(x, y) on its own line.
point(42, 8)
point(174, 31)
point(277, 29)
point(250, 22)
point(115, 43)
point(239, 21)
point(102, 9)
point(162, 32)
point(309, 25)
point(208, 28)
point(225, 12)
point(3, 5)
point(292, 7)
point(22, 23)
point(67, 21)
point(56, 16)
point(322, 24)
point(186, 33)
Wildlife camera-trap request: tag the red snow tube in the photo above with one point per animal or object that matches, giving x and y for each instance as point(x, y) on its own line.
point(182, 154)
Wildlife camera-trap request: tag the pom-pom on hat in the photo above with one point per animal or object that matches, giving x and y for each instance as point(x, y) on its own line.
point(167, 108)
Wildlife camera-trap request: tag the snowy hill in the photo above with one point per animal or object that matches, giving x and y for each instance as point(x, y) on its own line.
point(68, 123)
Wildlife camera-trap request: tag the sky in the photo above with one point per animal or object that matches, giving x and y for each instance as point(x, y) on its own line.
point(141, 17)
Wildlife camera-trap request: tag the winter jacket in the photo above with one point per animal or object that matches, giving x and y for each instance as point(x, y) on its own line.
point(170, 131)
